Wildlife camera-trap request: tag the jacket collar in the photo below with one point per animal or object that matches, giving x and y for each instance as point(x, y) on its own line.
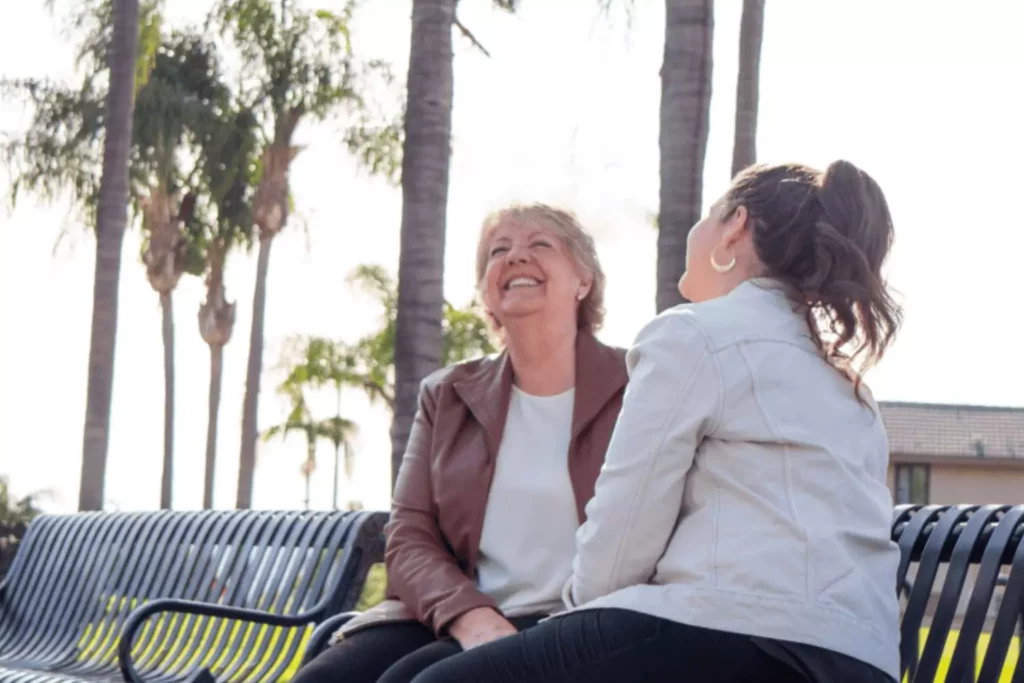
point(600, 374)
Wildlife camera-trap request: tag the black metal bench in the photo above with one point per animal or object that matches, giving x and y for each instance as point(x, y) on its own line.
point(954, 538)
point(174, 596)
point(982, 615)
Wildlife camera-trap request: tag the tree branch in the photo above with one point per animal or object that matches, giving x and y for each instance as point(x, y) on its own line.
point(472, 38)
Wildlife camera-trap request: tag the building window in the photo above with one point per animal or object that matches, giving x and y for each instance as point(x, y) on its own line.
point(913, 484)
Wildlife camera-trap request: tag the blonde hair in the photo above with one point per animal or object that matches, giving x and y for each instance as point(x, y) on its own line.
point(581, 247)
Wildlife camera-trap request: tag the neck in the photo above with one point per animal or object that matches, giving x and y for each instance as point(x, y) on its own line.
point(543, 359)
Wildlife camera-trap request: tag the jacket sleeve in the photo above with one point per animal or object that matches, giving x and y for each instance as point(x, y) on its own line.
point(422, 572)
point(672, 400)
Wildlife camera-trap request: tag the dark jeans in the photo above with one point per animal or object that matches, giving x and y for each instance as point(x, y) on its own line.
point(388, 653)
point(616, 646)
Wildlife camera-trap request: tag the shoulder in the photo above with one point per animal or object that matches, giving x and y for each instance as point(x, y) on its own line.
point(597, 355)
point(670, 345)
point(446, 377)
point(681, 326)
point(752, 312)
point(616, 354)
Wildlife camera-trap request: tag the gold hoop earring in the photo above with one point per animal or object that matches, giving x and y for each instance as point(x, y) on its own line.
point(720, 268)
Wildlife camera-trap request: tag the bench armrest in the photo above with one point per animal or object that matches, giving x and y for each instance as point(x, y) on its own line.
point(144, 612)
point(322, 634)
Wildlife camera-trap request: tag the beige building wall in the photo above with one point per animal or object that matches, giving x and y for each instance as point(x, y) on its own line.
point(990, 483)
point(976, 485)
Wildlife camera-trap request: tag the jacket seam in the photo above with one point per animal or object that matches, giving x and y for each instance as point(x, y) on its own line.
point(649, 468)
point(787, 466)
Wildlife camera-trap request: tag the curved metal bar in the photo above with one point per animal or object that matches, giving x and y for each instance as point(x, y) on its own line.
point(139, 616)
point(322, 634)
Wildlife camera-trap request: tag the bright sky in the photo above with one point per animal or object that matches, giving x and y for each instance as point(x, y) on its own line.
point(922, 94)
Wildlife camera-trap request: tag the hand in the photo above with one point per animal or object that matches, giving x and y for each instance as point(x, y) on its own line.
point(480, 626)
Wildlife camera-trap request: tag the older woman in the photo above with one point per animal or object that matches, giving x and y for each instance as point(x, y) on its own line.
point(740, 526)
point(501, 461)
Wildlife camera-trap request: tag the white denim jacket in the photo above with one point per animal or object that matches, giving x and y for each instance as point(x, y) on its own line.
point(744, 488)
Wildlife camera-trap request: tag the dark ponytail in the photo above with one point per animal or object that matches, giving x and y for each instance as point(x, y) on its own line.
point(824, 236)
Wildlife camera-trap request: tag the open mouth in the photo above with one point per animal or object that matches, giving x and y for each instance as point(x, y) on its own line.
point(521, 281)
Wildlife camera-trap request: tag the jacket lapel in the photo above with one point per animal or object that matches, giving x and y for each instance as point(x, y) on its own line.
point(600, 374)
point(487, 394)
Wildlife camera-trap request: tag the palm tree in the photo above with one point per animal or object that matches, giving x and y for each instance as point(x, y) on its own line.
point(337, 430)
point(111, 218)
point(368, 364)
point(303, 65)
point(685, 108)
point(314, 363)
point(744, 150)
point(59, 154)
point(419, 345)
point(165, 256)
point(173, 107)
point(228, 144)
point(425, 167)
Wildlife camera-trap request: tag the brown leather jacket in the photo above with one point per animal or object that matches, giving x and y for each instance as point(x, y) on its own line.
point(441, 494)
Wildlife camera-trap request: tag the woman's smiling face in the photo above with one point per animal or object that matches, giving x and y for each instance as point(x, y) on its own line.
point(530, 274)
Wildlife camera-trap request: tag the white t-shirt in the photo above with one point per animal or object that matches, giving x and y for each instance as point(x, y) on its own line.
point(528, 540)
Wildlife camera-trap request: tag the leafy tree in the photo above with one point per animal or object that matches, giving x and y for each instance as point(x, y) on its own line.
point(78, 147)
point(299, 65)
point(15, 511)
point(314, 363)
point(465, 334)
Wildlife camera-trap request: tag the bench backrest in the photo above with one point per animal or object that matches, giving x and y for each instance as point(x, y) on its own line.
point(77, 577)
point(942, 547)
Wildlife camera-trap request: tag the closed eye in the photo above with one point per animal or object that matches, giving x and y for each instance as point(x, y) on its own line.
point(497, 250)
point(541, 243)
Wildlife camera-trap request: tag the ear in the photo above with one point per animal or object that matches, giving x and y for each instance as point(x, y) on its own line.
point(586, 283)
point(735, 226)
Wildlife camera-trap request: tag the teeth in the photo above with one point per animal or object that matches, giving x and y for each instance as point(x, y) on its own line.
point(521, 282)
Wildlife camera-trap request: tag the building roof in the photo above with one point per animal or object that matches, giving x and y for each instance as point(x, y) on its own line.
point(954, 430)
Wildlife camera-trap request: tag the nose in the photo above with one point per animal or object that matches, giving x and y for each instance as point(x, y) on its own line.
point(517, 254)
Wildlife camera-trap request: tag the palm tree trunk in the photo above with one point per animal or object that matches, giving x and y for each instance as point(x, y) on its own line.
point(308, 469)
point(111, 218)
point(167, 478)
point(337, 454)
point(685, 108)
point(337, 473)
point(425, 167)
point(748, 83)
point(254, 370)
point(216, 378)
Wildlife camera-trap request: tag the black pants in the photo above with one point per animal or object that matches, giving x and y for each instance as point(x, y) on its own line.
point(618, 646)
point(389, 653)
